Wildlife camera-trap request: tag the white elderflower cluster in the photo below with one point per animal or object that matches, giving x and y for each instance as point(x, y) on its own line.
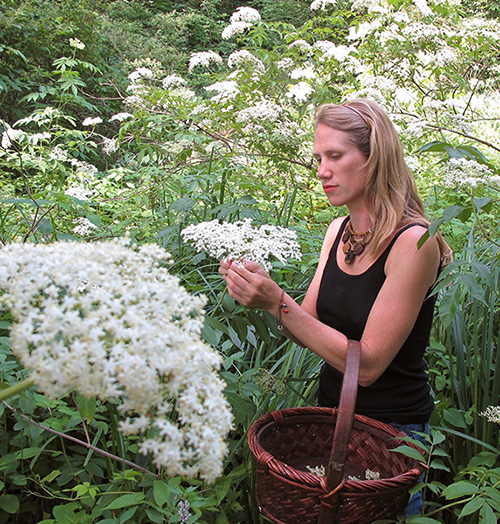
point(372, 6)
point(225, 90)
point(120, 117)
point(423, 7)
point(245, 14)
point(237, 58)
point(492, 413)
point(321, 4)
point(303, 72)
point(77, 44)
point(301, 44)
point(92, 121)
point(139, 73)
point(204, 58)
point(108, 320)
point(172, 81)
point(84, 227)
point(241, 241)
point(465, 172)
point(262, 110)
point(300, 92)
point(109, 145)
point(242, 19)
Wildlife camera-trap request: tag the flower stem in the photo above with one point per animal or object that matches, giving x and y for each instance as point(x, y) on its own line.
point(15, 389)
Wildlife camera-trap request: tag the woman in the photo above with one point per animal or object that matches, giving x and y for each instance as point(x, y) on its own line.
point(372, 282)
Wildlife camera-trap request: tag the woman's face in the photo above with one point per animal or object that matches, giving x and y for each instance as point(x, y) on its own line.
point(341, 167)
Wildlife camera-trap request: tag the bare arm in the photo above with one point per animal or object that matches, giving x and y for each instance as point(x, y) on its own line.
point(409, 273)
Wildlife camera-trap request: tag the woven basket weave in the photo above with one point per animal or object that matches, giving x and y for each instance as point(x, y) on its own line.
point(286, 442)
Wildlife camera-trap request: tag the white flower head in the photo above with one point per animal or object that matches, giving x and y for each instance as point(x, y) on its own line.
point(241, 241)
point(109, 145)
point(235, 28)
point(303, 72)
point(242, 57)
point(492, 413)
point(423, 7)
point(468, 173)
point(77, 44)
point(245, 14)
point(120, 117)
point(321, 4)
point(172, 81)
point(300, 92)
point(225, 90)
point(108, 320)
point(204, 59)
point(92, 121)
point(301, 44)
point(140, 72)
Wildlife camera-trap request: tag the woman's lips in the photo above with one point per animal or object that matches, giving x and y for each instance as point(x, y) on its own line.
point(329, 189)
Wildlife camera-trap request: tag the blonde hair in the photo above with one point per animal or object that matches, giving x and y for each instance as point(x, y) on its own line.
point(390, 192)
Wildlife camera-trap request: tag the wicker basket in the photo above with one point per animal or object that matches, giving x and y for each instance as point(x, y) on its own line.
point(286, 443)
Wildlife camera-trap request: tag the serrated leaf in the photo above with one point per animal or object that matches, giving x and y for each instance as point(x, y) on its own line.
point(472, 506)
point(124, 501)
point(460, 489)
point(410, 452)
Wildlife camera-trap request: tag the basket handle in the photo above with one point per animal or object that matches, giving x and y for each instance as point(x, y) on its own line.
point(343, 427)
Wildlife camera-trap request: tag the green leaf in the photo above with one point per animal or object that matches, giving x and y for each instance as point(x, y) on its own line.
point(472, 506)
point(161, 493)
point(487, 515)
point(124, 501)
point(9, 503)
point(455, 418)
point(86, 407)
point(410, 452)
point(460, 489)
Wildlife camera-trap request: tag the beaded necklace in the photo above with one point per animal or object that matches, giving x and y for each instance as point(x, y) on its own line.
point(354, 242)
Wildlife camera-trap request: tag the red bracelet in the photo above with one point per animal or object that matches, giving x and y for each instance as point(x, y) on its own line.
point(282, 308)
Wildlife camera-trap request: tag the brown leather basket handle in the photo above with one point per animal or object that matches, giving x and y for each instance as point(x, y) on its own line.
point(343, 427)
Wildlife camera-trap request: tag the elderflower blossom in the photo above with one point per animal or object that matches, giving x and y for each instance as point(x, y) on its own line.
point(492, 413)
point(235, 28)
point(121, 117)
point(225, 90)
point(372, 6)
point(465, 172)
point(84, 227)
point(92, 121)
point(140, 72)
point(263, 110)
point(245, 14)
point(172, 81)
point(300, 92)
point(109, 145)
point(244, 57)
point(321, 4)
point(423, 7)
point(241, 241)
point(303, 72)
point(203, 58)
point(77, 44)
point(108, 320)
point(301, 44)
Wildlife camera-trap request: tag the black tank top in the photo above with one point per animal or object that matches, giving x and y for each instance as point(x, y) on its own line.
point(402, 393)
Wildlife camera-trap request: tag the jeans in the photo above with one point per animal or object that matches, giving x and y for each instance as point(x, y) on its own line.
point(415, 503)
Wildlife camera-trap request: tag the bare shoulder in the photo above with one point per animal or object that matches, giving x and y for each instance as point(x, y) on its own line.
point(410, 254)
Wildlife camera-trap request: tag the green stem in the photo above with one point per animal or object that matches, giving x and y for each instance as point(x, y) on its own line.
point(16, 389)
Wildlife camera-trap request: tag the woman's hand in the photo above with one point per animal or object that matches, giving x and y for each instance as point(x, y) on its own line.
point(250, 285)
